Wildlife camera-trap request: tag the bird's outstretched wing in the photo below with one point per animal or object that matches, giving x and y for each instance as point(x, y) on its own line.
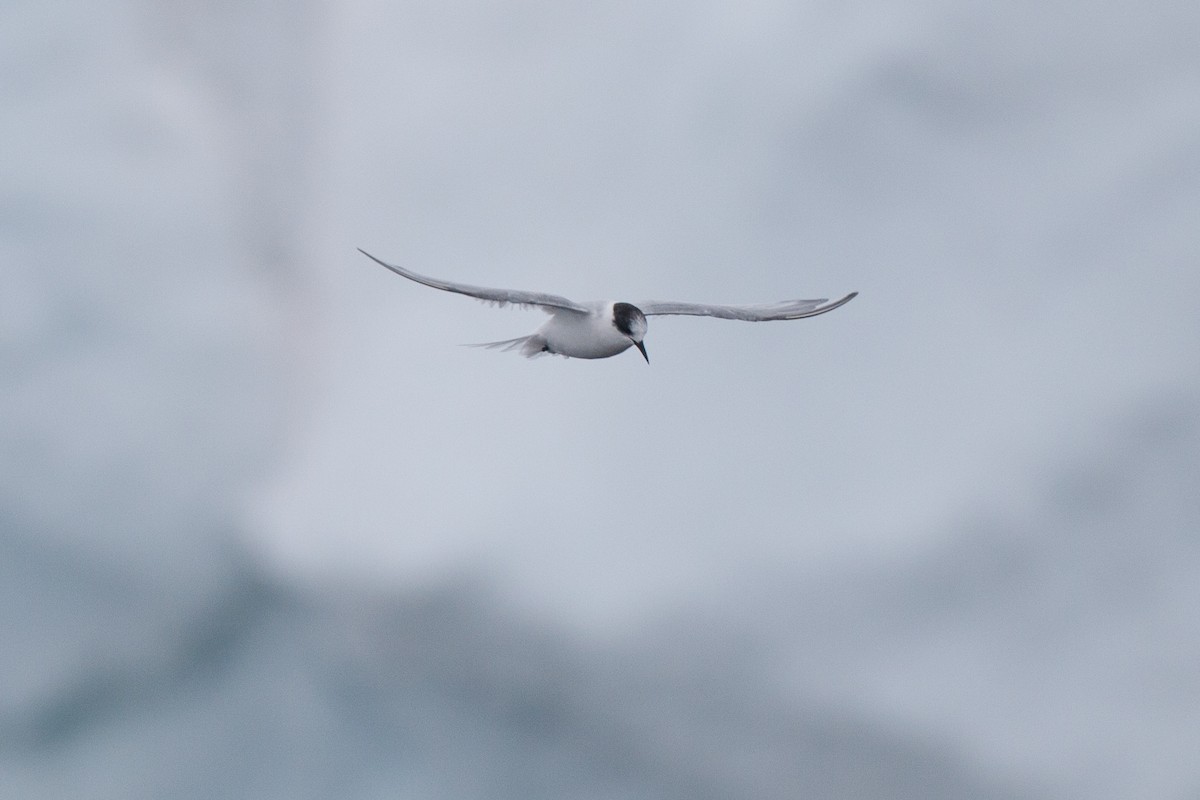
point(498, 296)
point(762, 312)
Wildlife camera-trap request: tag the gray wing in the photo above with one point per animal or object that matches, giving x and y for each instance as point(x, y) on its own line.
point(762, 312)
point(499, 296)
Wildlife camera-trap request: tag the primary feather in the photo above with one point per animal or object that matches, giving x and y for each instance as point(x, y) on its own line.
point(498, 296)
point(760, 312)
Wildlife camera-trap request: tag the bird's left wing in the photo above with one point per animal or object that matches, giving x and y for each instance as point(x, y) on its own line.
point(761, 312)
point(499, 296)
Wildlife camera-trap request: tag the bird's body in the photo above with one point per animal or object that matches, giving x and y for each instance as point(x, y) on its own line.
point(576, 334)
point(601, 329)
point(591, 335)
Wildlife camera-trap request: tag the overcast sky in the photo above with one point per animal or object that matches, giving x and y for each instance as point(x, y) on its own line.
point(955, 517)
point(1011, 198)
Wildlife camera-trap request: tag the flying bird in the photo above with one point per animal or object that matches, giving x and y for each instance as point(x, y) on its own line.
point(603, 328)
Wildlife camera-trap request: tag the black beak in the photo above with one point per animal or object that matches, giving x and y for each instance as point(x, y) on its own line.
point(642, 347)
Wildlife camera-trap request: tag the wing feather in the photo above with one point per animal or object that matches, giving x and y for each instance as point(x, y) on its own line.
point(761, 312)
point(499, 296)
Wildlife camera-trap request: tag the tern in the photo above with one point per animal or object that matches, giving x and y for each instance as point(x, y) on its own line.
point(604, 328)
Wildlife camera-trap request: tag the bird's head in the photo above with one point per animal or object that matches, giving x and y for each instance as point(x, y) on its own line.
point(629, 320)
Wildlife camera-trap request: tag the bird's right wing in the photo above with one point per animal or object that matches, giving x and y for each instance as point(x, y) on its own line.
point(761, 312)
point(498, 296)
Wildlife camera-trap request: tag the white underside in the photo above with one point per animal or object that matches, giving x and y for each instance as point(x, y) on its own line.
point(577, 335)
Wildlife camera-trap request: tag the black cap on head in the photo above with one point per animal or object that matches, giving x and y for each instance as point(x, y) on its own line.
point(629, 320)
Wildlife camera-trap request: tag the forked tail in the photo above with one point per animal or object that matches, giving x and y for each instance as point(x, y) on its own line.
point(531, 346)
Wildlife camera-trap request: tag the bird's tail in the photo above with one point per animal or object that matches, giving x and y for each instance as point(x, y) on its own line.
point(531, 346)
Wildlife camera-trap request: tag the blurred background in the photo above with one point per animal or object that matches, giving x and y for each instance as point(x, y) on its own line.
point(267, 531)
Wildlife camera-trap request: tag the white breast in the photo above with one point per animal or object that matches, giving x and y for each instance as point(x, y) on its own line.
point(591, 335)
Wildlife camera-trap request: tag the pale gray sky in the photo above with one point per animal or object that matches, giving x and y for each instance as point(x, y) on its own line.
point(945, 534)
point(988, 189)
